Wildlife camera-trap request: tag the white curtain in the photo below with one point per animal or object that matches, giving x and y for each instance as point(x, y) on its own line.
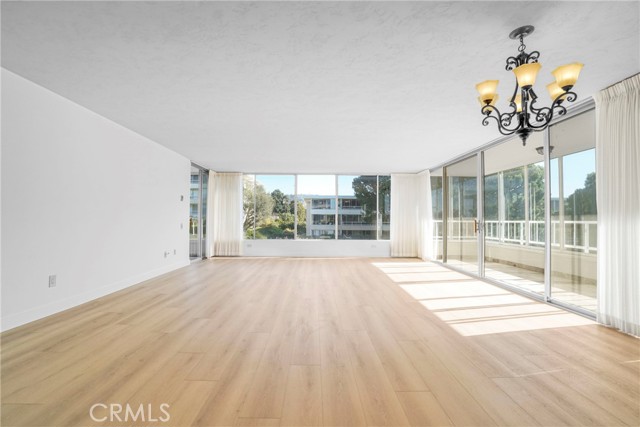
point(210, 203)
point(410, 203)
point(618, 198)
point(226, 208)
point(425, 223)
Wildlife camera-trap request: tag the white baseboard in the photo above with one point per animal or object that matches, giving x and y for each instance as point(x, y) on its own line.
point(36, 313)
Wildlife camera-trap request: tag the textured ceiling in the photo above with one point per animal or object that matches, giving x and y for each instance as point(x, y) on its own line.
point(347, 87)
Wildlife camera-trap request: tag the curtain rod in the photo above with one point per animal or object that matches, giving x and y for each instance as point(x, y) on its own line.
point(626, 78)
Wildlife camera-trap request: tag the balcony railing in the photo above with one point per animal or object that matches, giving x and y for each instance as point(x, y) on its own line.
point(578, 235)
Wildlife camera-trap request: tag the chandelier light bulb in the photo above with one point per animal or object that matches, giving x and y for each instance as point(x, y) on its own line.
point(554, 90)
point(488, 91)
point(567, 75)
point(518, 101)
point(526, 74)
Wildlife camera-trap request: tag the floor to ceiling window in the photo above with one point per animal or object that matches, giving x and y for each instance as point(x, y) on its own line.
point(462, 214)
point(436, 211)
point(548, 251)
point(514, 214)
point(199, 182)
point(574, 217)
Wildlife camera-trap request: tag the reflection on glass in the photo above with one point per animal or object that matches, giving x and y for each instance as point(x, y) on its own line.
point(573, 182)
point(357, 201)
point(384, 204)
point(462, 237)
point(316, 201)
point(514, 214)
point(436, 211)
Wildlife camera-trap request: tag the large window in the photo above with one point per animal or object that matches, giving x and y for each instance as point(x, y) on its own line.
point(198, 212)
point(436, 211)
point(574, 244)
point(462, 208)
point(317, 193)
point(357, 207)
point(269, 206)
point(317, 206)
point(384, 206)
point(553, 257)
point(514, 214)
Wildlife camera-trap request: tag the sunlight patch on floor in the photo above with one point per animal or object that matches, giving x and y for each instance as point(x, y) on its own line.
point(473, 307)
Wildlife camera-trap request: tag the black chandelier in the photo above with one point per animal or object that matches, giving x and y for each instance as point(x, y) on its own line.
point(524, 116)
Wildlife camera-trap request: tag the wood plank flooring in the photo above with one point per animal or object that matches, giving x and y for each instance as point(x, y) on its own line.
point(318, 342)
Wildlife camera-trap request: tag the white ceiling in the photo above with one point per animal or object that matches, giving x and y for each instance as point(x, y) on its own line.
point(346, 87)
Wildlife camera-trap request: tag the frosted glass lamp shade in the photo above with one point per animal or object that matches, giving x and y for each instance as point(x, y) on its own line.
point(554, 90)
point(488, 91)
point(567, 75)
point(518, 102)
point(526, 74)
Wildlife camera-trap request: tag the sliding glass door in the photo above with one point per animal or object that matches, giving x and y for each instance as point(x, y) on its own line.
point(462, 214)
point(574, 212)
point(529, 222)
point(514, 214)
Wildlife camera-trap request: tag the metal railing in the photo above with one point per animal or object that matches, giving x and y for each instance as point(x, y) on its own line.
point(573, 235)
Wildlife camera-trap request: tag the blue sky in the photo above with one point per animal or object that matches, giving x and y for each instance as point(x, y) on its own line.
point(575, 168)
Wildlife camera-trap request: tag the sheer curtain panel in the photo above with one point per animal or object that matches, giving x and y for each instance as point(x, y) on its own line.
point(425, 220)
point(210, 203)
point(618, 201)
point(227, 214)
point(409, 204)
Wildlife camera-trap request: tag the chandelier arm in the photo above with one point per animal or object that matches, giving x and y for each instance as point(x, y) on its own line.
point(505, 121)
point(545, 115)
point(512, 62)
point(502, 119)
point(501, 129)
point(532, 57)
point(540, 113)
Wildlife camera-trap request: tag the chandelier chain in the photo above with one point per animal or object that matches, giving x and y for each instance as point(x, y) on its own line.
point(522, 46)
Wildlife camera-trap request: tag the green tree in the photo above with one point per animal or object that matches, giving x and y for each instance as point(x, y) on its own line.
point(513, 181)
point(583, 201)
point(366, 192)
point(536, 192)
point(281, 204)
point(260, 211)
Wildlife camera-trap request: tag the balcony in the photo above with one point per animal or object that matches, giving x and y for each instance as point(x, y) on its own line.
point(514, 254)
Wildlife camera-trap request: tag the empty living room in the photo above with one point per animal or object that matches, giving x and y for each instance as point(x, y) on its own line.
point(320, 213)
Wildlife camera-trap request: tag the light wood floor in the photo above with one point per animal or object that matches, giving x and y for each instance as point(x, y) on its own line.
point(306, 342)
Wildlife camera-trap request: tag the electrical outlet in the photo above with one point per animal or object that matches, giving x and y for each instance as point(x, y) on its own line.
point(166, 253)
point(52, 281)
point(181, 226)
point(174, 252)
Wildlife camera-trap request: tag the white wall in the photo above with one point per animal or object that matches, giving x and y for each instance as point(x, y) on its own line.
point(316, 248)
point(83, 198)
